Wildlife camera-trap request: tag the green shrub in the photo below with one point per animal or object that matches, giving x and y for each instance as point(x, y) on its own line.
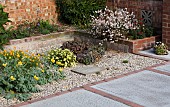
point(21, 72)
point(78, 12)
point(86, 52)
point(45, 25)
point(61, 57)
point(3, 20)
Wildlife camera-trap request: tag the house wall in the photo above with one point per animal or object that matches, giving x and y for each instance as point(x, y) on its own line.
point(31, 10)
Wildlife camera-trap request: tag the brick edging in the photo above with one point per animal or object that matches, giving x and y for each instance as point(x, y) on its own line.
point(159, 71)
point(104, 94)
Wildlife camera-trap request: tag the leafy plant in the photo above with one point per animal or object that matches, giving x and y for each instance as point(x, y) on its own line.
point(78, 12)
point(125, 61)
point(45, 27)
point(77, 46)
point(141, 31)
point(161, 48)
point(21, 72)
point(61, 57)
point(3, 20)
point(86, 52)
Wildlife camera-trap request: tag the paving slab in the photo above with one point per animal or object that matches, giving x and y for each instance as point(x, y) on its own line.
point(151, 52)
point(164, 68)
point(145, 88)
point(89, 69)
point(80, 98)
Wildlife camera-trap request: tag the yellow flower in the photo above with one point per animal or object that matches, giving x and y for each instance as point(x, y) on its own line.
point(5, 51)
point(12, 78)
point(60, 69)
point(19, 63)
point(36, 78)
point(38, 55)
point(4, 64)
point(36, 64)
point(52, 60)
point(58, 63)
point(12, 53)
point(42, 70)
point(18, 55)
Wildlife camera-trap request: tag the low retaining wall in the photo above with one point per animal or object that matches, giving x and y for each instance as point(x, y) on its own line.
point(41, 41)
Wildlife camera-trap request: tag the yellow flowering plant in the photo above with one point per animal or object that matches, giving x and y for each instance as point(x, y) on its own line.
point(61, 57)
point(21, 72)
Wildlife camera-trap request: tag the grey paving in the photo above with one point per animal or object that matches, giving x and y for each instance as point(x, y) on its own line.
point(146, 88)
point(88, 69)
point(80, 98)
point(164, 68)
point(150, 52)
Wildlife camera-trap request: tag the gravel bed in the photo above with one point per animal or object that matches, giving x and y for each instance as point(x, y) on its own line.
point(112, 60)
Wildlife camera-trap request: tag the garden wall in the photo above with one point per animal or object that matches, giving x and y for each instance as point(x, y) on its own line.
point(166, 23)
point(22, 10)
point(149, 10)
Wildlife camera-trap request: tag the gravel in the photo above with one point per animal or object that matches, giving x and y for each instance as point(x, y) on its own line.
point(112, 60)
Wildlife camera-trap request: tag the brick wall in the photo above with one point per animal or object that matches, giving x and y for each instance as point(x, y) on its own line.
point(137, 5)
point(21, 10)
point(166, 23)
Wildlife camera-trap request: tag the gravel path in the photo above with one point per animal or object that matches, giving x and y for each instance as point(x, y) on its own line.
point(111, 60)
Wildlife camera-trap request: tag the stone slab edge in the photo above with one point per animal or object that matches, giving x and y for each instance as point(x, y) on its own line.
point(151, 56)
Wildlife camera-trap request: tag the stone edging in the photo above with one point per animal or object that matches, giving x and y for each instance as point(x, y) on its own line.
point(151, 56)
point(88, 88)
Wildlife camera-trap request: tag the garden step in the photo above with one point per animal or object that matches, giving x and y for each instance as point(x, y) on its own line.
point(89, 69)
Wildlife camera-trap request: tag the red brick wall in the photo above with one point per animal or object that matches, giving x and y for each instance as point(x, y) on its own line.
point(166, 23)
point(21, 10)
point(137, 5)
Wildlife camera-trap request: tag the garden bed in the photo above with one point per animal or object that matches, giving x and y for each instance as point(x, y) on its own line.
point(115, 62)
point(112, 60)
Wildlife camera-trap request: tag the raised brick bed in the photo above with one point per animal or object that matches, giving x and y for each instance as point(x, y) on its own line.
point(134, 46)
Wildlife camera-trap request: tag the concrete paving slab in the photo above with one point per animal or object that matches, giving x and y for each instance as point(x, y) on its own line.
point(89, 69)
point(80, 98)
point(151, 52)
point(145, 88)
point(164, 68)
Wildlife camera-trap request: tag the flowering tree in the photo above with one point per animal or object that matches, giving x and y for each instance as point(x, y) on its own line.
point(113, 25)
